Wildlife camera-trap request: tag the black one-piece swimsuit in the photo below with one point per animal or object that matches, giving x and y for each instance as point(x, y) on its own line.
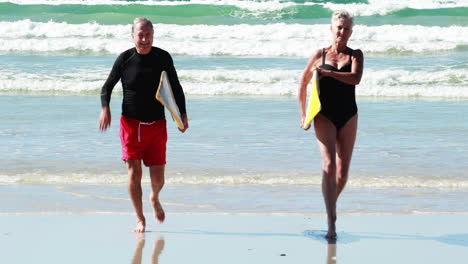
point(338, 99)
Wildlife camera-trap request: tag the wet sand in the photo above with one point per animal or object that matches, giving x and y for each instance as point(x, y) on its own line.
point(232, 238)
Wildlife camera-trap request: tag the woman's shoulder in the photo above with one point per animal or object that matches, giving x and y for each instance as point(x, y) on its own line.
point(357, 53)
point(316, 56)
point(318, 53)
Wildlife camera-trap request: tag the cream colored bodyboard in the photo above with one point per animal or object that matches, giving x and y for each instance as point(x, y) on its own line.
point(166, 97)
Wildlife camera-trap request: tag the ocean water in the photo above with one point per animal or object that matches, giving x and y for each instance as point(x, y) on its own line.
point(240, 64)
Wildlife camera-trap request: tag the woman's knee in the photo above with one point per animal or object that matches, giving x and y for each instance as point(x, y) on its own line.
point(341, 178)
point(342, 169)
point(329, 166)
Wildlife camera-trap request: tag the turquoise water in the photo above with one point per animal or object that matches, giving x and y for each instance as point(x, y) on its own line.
point(254, 140)
point(240, 64)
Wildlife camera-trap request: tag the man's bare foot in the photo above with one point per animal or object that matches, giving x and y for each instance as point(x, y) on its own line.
point(140, 227)
point(158, 211)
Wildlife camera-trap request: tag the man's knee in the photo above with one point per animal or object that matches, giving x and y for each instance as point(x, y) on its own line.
point(157, 181)
point(157, 175)
point(134, 170)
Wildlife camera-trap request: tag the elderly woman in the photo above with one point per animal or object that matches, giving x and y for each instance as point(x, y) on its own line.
point(340, 68)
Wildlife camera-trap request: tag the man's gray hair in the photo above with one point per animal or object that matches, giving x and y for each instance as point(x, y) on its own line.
point(143, 20)
point(337, 15)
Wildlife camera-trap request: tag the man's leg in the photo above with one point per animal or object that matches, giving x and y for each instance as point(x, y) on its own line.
point(134, 189)
point(157, 183)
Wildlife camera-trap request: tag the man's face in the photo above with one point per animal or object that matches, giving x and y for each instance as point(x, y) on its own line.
point(143, 38)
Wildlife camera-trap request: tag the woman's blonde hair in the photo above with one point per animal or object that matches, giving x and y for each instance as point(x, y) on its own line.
point(339, 14)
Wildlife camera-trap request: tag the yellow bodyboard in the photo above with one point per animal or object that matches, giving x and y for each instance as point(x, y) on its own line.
point(314, 106)
point(166, 97)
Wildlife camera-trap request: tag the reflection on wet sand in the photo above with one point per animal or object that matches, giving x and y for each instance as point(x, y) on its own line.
point(331, 253)
point(158, 247)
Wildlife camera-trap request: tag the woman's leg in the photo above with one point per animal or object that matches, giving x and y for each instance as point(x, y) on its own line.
point(344, 150)
point(326, 135)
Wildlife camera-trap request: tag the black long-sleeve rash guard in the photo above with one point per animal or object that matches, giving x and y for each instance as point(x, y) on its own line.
point(140, 76)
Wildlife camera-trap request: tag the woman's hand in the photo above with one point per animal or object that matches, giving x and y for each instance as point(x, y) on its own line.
point(303, 124)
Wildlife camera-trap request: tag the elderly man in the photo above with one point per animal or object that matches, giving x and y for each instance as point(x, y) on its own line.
point(143, 132)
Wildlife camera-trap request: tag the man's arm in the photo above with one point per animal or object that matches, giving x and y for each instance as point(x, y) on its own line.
point(104, 119)
point(106, 91)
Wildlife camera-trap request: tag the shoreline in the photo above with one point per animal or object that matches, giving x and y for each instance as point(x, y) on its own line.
point(199, 238)
point(226, 200)
point(149, 213)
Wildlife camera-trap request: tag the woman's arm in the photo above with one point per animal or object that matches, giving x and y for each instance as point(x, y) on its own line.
point(306, 77)
point(353, 77)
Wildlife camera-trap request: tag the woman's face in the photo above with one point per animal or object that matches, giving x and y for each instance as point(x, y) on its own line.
point(341, 30)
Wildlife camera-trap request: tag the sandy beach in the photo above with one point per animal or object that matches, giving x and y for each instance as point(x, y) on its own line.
point(243, 185)
point(229, 238)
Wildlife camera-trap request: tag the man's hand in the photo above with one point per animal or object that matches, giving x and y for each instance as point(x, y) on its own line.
point(185, 122)
point(104, 119)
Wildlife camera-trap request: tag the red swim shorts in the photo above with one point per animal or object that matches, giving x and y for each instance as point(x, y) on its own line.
point(143, 141)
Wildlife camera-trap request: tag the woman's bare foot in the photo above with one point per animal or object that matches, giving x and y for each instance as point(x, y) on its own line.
point(140, 227)
point(331, 235)
point(158, 211)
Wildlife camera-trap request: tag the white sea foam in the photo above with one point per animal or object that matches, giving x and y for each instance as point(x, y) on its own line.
point(383, 7)
point(446, 83)
point(247, 4)
point(372, 7)
point(374, 182)
point(272, 40)
point(78, 81)
point(271, 8)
